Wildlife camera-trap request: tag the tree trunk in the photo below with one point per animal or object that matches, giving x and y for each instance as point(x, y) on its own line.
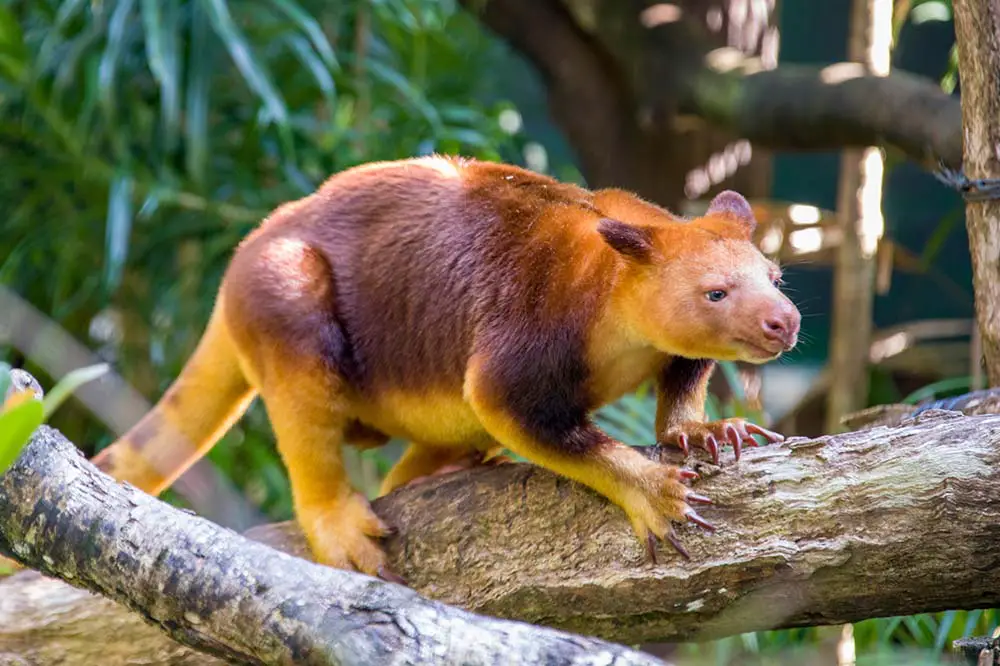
point(854, 270)
point(909, 510)
point(977, 33)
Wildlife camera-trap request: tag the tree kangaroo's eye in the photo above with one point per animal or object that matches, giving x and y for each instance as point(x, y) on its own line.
point(715, 295)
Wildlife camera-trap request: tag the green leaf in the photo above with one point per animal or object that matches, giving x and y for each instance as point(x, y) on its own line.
point(934, 244)
point(921, 628)
point(160, 20)
point(311, 27)
point(239, 49)
point(72, 56)
point(54, 37)
point(888, 626)
point(13, 54)
point(469, 137)
point(323, 78)
point(16, 427)
point(941, 634)
point(107, 72)
point(971, 620)
point(932, 390)
point(117, 231)
point(408, 91)
point(197, 98)
point(950, 78)
point(71, 382)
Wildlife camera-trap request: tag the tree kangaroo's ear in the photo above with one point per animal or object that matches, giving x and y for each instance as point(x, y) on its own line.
point(629, 240)
point(736, 207)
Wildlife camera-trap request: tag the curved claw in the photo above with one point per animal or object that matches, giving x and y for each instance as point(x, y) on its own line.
point(651, 547)
point(687, 474)
point(713, 447)
point(734, 438)
point(699, 499)
point(693, 517)
point(676, 543)
point(682, 442)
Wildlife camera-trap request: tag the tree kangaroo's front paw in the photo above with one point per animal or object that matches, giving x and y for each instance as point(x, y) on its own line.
point(659, 498)
point(710, 436)
point(342, 533)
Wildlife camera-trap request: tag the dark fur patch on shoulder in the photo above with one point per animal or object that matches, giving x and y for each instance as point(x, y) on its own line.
point(540, 377)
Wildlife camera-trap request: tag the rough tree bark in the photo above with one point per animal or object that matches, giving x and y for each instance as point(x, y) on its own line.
point(214, 590)
point(910, 510)
point(977, 32)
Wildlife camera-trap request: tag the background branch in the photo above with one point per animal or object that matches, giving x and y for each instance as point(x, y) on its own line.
point(832, 107)
point(641, 80)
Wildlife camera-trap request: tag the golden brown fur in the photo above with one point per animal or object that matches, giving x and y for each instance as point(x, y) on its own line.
point(466, 306)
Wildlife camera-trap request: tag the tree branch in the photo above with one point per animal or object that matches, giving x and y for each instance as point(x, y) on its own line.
point(909, 510)
point(653, 70)
point(228, 596)
point(836, 106)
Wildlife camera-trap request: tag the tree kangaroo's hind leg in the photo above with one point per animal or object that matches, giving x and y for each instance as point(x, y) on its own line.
point(282, 301)
point(308, 413)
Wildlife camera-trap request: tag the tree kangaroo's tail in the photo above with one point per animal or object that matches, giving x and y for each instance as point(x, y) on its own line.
point(210, 394)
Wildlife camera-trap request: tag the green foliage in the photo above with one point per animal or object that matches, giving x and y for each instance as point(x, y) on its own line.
point(913, 640)
point(16, 425)
point(21, 418)
point(940, 389)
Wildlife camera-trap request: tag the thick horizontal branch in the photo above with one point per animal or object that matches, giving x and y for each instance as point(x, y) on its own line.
point(677, 65)
point(911, 510)
point(231, 597)
point(836, 106)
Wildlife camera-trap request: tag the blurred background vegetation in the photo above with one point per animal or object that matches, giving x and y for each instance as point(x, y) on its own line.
point(140, 140)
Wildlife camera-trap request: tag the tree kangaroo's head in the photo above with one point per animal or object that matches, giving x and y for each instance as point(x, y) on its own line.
point(701, 288)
